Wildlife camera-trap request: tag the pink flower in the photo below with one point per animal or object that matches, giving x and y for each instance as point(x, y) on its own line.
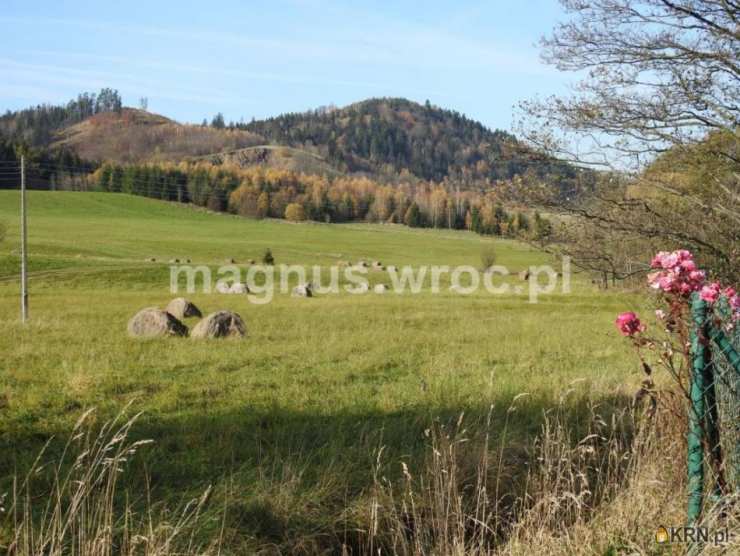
point(711, 292)
point(688, 265)
point(628, 324)
point(670, 261)
point(660, 314)
point(667, 282)
point(657, 261)
point(676, 274)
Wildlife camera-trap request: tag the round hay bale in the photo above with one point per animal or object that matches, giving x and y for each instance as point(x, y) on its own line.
point(151, 260)
point(362, 264)
point(377, 264)
point(524, 275)
point(223, 287)
point(222, 324)
point(155, 323)
point(303, 290)
point(174, 261)
point(230, 261)
point(239, 288)
point(181, 308)
point(361, 288)
point(188, 261)
point(391, 268)
point(380, 288)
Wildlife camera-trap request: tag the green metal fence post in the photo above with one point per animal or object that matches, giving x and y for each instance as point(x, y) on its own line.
point(725, 347)
point(727, 367)
point(696, 412)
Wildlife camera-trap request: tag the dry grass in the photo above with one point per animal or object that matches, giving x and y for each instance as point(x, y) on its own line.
point(605, 493)
point(80, 511)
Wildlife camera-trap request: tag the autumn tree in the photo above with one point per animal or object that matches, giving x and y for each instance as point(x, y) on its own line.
point(295, 213)
point(263, 205)
point(658, 108)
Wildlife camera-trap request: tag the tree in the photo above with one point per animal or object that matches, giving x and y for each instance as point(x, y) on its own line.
point(218, 121)
point(267, 257)
point(144, 103)
point(295, 213)
point(542, 228)
point(263, 205)
point(104, 177)
point(108, 100)
point(412, 218)
point(658, 107)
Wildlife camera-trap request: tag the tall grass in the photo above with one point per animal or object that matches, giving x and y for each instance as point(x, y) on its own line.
point(76, 508)
point(604, 493)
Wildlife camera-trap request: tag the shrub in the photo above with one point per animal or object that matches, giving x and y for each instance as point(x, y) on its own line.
point(267, 258)
point(487, 257)
point(295, 213)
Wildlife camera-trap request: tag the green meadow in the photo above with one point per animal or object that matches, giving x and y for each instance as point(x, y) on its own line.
point(288, 423)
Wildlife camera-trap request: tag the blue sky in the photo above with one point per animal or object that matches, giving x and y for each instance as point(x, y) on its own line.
point(256, 59)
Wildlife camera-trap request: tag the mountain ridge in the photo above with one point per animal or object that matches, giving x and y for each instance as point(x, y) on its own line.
point(392, 139)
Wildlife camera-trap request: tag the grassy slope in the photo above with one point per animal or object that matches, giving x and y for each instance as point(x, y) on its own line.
point(292, 416)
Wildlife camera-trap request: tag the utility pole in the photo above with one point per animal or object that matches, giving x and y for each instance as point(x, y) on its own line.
point(24, 246)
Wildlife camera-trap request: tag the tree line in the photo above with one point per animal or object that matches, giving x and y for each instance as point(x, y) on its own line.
point(260, 192)
point(36, 126)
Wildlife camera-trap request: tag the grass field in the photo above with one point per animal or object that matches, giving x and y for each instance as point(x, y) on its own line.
point(286, 424)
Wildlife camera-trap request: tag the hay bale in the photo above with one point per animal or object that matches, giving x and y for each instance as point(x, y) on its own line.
point(188, 261)
point(222, 324)
point(524, 275)
point(223, 287)
point(230, 261)
point(151, 260)
point(391, 268)
point(251, 261)
point(239, 288)
point(380, 288)
point(303, 290)
point(181, 308)
point(361, 288)
point(155, 323)
point(377, 264)
point(362, 264)
point(174, 261)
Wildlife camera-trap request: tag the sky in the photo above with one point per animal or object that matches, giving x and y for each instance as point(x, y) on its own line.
point(255, 59)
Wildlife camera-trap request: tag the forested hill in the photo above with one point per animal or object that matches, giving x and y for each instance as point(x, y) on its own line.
point(390, 140)
point(391, 135)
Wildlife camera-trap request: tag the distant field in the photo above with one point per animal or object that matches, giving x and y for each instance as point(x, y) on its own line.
point(288, 421)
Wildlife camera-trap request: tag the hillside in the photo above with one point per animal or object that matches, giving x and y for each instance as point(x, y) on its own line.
point(274, 156)
point(137, 136)
point(394, 140)
point(391, 135)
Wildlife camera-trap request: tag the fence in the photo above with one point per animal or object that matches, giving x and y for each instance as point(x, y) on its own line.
point(714, 416)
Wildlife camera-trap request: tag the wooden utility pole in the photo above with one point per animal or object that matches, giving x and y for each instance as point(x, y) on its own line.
point(24, 246)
